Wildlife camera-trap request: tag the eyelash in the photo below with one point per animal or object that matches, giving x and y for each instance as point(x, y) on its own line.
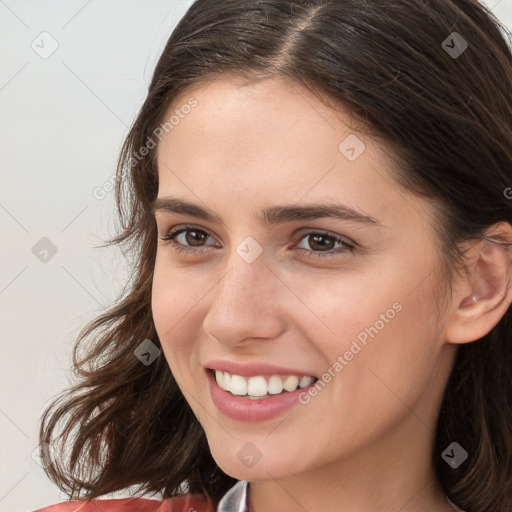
point(173, 233)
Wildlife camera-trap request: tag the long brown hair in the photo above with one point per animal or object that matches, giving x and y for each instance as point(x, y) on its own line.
point(443, 104)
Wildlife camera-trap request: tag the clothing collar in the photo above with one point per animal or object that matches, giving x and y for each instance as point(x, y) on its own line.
point(236, 499)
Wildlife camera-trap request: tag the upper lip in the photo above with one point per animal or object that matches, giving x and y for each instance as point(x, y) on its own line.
point(254, 368)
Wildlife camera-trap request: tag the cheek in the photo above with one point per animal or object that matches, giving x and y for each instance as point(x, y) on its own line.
point(174, 294)
point(172, 301)
point(375, 324)
point(385, 361)
point(335, 309)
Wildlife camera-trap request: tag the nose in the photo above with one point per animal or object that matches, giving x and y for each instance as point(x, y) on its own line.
point(246, 303)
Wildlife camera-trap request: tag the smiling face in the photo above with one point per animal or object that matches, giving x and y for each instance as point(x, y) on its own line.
point(284, 289)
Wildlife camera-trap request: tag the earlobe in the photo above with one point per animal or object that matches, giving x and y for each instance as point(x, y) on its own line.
point(484, 296)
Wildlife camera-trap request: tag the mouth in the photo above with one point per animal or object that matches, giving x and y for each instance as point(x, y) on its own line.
point(260, 387)
point(254, 391)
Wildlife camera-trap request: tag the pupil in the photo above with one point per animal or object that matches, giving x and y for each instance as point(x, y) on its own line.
point(321, 237)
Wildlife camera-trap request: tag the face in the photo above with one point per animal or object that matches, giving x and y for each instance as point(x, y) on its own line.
point(346, 299)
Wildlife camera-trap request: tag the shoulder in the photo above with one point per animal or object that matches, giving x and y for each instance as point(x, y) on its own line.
point(188, 503)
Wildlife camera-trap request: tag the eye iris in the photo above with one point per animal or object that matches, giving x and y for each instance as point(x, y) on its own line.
point(196, 235)
point(321, 245)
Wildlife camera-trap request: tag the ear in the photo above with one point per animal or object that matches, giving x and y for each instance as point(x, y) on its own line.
point(488, 279)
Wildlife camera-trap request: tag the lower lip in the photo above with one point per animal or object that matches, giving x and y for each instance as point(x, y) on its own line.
point(245, 409)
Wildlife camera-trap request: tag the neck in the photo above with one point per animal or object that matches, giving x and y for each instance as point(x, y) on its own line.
point(397, 474)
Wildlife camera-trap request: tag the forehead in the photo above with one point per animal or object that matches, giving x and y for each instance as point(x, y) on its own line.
point(260, 107)
point(273, 127)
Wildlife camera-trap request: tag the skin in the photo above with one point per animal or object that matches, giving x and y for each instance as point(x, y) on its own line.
point(366, 439)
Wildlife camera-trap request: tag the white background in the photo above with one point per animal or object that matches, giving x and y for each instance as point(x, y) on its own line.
point(63, 120)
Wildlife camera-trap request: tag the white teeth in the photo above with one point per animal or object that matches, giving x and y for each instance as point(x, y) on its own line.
point(219, 377)
point(257, 386)
point(260, 386)
point(238, 385)
point(275, 385)
point(305, 381)
point(291, 383)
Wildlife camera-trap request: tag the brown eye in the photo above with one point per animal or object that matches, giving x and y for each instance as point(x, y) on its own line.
point(323, 244)
point(185, 238)
point(194, 237)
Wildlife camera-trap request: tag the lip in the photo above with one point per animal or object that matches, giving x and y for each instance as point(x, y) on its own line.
point(247, 410)
point(254, 368)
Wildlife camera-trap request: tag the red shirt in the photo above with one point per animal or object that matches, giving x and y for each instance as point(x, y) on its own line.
point(188, 503)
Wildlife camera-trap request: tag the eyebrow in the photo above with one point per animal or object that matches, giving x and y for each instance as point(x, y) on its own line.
point(270, 216)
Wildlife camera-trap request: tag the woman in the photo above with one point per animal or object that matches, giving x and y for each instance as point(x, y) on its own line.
point(318, 197)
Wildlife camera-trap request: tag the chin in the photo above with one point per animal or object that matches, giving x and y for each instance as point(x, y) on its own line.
point(242, 461)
